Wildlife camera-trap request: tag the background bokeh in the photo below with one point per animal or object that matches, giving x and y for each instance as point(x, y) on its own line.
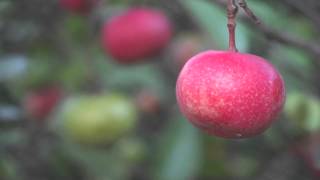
point(57, 84)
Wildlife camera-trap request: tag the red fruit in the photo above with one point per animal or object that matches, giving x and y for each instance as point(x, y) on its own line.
point(230, 95)
point(39, 104)
point(148, 102)
point(185, 48)
point(136, 34)
point(78, 6)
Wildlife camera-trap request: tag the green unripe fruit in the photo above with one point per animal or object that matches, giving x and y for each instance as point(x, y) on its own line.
point(296, 106)
point(98, 119)
point(313, 118)
point(304, 110)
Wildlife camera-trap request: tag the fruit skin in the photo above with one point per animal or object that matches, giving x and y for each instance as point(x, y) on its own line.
point(98, 119)
point(78, 6)
point(40, 103)
point(136, 34)
point(230, 95)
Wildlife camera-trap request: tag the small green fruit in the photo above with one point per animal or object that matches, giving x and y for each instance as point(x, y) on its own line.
point(98, 119)
point(304, 110)
point(296, 106)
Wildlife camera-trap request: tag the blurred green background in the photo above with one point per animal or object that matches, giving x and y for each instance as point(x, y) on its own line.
point(69, 111)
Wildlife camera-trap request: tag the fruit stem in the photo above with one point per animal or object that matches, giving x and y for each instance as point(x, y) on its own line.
point(232, 11)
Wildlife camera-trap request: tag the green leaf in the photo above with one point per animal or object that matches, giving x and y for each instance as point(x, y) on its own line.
point(77, 28)
point(131, 77)
point(73, 74)
point(99, 163)
point(8, 169)
point(182, 154)
point(212, 19)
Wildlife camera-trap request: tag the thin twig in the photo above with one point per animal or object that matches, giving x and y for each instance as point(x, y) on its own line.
point(281, 37)
point(284, 38)
point(232, 10)
point(247, 10)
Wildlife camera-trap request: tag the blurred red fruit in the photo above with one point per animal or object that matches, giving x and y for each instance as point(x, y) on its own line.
point(148, 102)
point(39, 104)
point(78, 6)
point(309, 151)
point(230, 95)
point(136, 34)
point(185, 48)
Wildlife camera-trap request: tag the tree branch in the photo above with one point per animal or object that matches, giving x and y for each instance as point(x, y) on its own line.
point(280, 37)
point(247, 10)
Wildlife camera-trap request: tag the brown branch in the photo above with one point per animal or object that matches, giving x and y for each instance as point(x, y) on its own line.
point(284, 38)
point(247, 10)
point(280, 37)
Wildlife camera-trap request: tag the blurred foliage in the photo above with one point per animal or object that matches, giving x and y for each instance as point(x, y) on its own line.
point(43, 44)
point(181, 155)
point(212, 20)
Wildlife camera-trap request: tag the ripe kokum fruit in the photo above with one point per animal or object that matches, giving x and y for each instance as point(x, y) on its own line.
point(136, 34)
point(78, 6)
point(230, 94)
